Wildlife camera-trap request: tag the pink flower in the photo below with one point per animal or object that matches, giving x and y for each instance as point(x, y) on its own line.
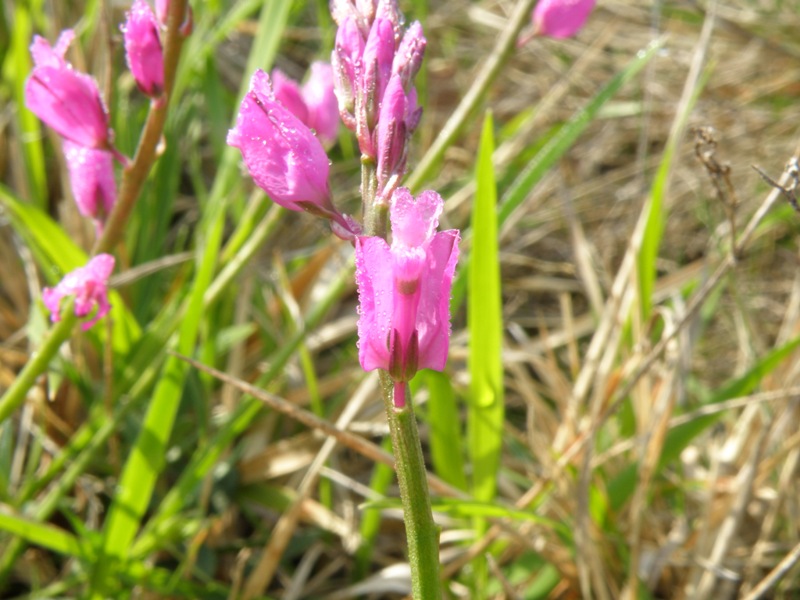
point(89, 286)
point(282, 155)
point(143, 49)
point(560, 18)
point(91, 175)
point(314, 104)
point(68, 101)
point(323, 108)
point(404, 289)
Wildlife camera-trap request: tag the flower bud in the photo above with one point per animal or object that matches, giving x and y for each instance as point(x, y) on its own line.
point(68, 101)
point(410, 53)
point(143, 49)
point(392, 136)
point(89, 286)
point(347, 67)
point(377, 59)
point(91, 176)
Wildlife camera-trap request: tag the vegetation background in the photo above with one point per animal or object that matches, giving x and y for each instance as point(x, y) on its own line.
point(647, 415)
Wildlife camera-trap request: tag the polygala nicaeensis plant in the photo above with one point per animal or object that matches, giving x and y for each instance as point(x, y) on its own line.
point(404, 288)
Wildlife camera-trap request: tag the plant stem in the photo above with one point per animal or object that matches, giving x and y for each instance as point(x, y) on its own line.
point(422, 535)
point(37, 365)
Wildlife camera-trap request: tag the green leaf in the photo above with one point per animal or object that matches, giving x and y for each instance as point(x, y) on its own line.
point(485, 325)
point(445, 431)
point(46, 536)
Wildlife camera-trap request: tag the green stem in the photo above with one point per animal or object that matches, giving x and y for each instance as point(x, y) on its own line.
point(422, 535)
point(37, 365)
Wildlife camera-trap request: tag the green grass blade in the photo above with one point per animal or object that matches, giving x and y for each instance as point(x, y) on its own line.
point(445, 431)
point(656, 211)
point(16, 68)
point(485, 324)
point(555, 148)
point(46, 536)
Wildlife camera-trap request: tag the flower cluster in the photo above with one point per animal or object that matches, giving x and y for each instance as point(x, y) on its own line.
point(404, 288)
point(374, 64)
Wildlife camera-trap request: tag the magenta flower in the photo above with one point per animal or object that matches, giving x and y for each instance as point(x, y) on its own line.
point(91, 175)
point(89, 286)
point(404, 289)
point(560, 18)
point(323, 108)
point(68, 101)
point(283, 156)
point(314, 104)
point(143, 48)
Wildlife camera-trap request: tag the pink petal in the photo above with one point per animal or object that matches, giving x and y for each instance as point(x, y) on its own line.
point(433, 321)
point(66, 100)
point(414, 220)
point(89, 286)
point(375, 294)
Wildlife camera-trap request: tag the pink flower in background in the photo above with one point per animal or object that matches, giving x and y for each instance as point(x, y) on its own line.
point(89, 286)
point(91, 175)
point(323, 108)
point(162, 11)
point(404, 289)
point(68, 101)
point(143, 48)
point(560, 18)
point(282, 155)
point(314, 104)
